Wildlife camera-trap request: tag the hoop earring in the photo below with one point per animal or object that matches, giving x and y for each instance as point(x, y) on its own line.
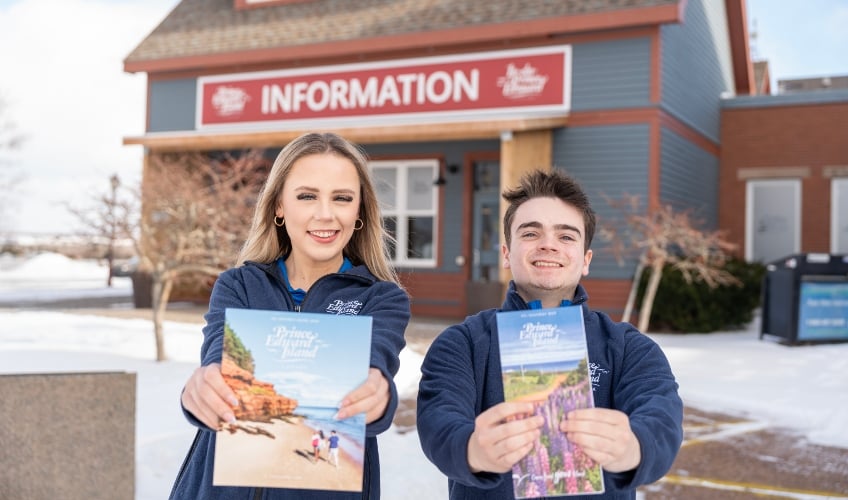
point(361, 225)
point(281, 223)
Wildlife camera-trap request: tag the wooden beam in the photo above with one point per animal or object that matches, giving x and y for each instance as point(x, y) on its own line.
point(199, 141)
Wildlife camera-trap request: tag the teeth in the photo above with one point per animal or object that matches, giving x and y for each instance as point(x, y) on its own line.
point(323, 234)
point(546, 264)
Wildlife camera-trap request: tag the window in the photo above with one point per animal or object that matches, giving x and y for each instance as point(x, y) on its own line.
point(773, 219)
point(408, 201)
point(839, 215)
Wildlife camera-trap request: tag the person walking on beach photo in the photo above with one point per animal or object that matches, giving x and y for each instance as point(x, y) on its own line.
point(317, 244)
point(316, 446)
point(334, 448)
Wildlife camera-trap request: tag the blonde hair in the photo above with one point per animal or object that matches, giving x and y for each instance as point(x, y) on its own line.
point(266, 242)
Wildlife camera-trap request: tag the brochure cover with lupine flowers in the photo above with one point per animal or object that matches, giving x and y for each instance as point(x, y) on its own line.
point(544, 359)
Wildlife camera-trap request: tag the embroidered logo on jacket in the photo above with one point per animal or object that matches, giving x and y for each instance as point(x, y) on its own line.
point(595, 372)
point(351, 308)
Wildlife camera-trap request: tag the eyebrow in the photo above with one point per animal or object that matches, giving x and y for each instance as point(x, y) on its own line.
point(538, 225)
point(316, 190)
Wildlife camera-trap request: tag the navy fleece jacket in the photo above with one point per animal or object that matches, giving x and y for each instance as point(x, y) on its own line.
point(461, 378)
point(261, 286)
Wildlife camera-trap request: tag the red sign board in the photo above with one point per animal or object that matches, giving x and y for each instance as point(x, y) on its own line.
point(479, 86)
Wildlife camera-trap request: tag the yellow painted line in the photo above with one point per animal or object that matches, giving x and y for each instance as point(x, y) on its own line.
point(697, 427)
point(728, 431)
point(719, 484)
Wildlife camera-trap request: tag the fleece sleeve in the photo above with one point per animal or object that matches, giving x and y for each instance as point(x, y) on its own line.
point(447, 401)
point(647, 391)
point(389, 315)
point(227, 292)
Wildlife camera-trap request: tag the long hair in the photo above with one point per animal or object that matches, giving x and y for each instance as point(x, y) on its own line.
point(266, 242)
point(553, 184)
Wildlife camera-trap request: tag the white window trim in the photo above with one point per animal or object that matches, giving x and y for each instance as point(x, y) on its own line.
point(749, 212)
point(402, 167)
point(835, 220)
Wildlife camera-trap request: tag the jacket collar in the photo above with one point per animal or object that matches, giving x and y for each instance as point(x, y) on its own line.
point(514, 301)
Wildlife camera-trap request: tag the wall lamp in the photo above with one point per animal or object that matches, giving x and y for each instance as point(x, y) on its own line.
point(441, 180)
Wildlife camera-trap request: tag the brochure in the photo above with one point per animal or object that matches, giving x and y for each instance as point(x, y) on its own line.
point(290, 371)
point(544, 359)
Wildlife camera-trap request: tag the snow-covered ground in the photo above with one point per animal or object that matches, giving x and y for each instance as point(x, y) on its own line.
point(804, 388)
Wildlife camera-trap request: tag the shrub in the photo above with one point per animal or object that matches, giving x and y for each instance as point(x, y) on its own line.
point(695, 307)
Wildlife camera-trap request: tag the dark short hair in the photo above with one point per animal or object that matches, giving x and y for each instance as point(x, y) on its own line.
point(553, 184)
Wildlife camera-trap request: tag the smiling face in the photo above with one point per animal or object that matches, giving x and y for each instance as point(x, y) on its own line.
point(320, 203)
point(546, 253)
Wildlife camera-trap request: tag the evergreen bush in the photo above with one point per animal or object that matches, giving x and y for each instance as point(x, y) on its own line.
point(696, 308)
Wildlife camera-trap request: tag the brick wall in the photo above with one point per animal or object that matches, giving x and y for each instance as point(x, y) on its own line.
point(779, 142)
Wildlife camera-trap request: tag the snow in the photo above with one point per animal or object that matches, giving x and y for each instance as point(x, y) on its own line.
point(802, 388)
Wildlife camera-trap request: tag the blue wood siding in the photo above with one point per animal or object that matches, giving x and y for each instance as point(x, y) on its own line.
point(609, 75)
point(451, 214)
point(689, 179)
point(172, 105)
point(609, 162)
point(696, 66)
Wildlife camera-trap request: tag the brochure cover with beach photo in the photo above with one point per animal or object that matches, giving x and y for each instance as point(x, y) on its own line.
point(290, 372)
point(544, 359)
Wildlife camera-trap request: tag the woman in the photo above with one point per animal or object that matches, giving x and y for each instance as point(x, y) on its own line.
point(316, 244)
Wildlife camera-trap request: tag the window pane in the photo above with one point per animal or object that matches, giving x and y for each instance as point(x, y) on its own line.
point(420, 238)
point(391, 227)
point(420, 188)
point(385, 182)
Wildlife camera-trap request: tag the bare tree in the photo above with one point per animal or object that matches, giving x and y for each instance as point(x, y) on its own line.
point(112, 216)
point(663, 237)
point(196, 212)
point(10, 139)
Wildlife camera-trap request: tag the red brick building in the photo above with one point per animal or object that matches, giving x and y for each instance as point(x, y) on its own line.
point(784, 174)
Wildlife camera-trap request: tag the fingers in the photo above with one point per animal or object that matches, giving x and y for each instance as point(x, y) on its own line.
point(605, 436)
point(503, 412)
point(502, 436)
point(208, 397)
point(371, 397)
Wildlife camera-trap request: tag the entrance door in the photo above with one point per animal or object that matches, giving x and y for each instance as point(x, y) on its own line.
point(486, 222)
point(773, 219)
point(485, 291)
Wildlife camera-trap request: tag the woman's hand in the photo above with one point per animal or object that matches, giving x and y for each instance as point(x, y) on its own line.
point(371, 398)
point(208, 397)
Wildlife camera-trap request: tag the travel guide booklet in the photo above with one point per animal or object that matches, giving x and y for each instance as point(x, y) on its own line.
point(544, 359)
point(290, 371)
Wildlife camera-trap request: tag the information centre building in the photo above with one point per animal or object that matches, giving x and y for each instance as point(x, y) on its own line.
point(453, 100)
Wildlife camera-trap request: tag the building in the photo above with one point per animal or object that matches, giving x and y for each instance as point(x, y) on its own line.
point(784, 173)
point(454, 100)
point(793, 85)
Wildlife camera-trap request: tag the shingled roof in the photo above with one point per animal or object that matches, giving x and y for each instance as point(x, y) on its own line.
point(203, 28)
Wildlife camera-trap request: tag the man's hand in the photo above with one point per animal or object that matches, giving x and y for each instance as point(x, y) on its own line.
point(371, 398)
point(605, 436)
point(502, 436)
point(208, 397)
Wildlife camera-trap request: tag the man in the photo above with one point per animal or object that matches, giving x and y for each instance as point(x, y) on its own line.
point(334, 448)
point(474, 437)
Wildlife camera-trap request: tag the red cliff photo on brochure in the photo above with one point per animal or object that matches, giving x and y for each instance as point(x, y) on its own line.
point(290, 371)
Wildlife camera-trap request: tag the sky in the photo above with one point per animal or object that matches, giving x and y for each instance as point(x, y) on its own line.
point(801, 388)
point(67, 93)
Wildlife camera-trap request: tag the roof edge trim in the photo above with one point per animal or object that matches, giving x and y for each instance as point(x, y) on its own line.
point(562, 25)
